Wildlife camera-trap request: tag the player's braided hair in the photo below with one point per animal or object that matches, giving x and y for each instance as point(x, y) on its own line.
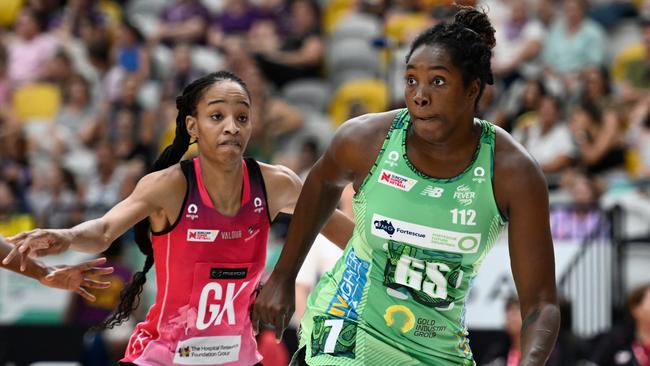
point(469, 41)
point(186, 105)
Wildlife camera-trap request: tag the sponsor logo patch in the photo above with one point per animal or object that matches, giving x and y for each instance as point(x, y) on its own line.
point(396, 180)
point(192, 210)
point(208, 350)
point(198, 235)
point(390, 317)
point(348, 294)
point(230, 235)
point(479, 175)
point(424, 236)
point(393, 157)
point(427, 328)
point(258, 204)
point(433, 192)
point(228, 273)
point(464, 195)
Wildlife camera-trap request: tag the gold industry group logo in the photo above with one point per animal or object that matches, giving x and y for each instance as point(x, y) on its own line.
point(406, 313)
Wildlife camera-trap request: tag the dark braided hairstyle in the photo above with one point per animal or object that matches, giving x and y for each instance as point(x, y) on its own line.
point(469, 41)
point(186, 105)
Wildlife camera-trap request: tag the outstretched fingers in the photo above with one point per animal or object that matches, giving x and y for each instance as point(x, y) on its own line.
point(95, 284)
point(10, 257)
point(85, 294)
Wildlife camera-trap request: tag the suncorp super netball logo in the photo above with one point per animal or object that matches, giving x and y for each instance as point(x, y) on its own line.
point(396, 180)
point(202, 235)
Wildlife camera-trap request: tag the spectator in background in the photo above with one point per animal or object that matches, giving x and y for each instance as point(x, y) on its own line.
point(5, 85)
point(107, 186)
point(58, 69)
point(131, 52)
point(570, 350)
point(508, 353)
point(126, 144)
point(519, 39)
point(107, 79)
point(276, 10)
point(596, 89)
point(307, 157)
point(299, 54)
point(582, 219)
point(75, 121)
point(609, 13)
point(109, 344)
point(48, 8)
point(13, 220)
point(142, 119)
point(276, 120)
point(573, 42)
point(235, 20)
point(54, 200)
point(521, 104)
point(634, 83)
point(14, 164)
point(639, 138)
point(183, 21)
point(30, 49)
point(183, 71)
point(546, 12)
point(548, 139)
point(76, 127)
point(79, 19)
point(629, 345)
point(600, 141)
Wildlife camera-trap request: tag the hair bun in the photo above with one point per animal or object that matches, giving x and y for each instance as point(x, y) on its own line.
point(476, 21)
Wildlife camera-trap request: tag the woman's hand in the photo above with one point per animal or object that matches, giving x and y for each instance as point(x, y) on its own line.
point(78, 278)
point(37, 243)
point(275, 304)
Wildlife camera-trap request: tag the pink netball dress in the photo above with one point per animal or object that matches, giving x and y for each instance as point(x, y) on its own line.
point(208, 267)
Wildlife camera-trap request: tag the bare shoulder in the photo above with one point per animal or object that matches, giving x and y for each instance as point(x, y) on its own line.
point(277, 175)
point(357, 142)
point(516, 174)
point(365, 129)
point(282, 187)
point(509, 155)
point(163, 184)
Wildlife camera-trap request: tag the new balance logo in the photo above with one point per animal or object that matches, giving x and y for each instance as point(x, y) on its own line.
point(431, 191)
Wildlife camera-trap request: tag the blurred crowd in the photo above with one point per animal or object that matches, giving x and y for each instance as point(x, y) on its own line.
point(87, 91)
point(87, 87)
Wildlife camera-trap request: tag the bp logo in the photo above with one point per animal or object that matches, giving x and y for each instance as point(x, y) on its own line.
point(399, 314)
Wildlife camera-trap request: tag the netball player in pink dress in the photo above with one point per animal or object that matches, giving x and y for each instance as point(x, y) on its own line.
point(204, 223)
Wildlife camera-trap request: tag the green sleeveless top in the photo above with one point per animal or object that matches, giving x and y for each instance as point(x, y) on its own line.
point(397, 295)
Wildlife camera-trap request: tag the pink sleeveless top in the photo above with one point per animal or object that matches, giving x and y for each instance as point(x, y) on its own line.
point(208, 267)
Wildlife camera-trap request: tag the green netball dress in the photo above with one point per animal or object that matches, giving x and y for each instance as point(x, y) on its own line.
point(397, 295)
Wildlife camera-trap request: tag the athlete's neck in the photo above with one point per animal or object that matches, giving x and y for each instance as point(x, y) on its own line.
point(224, 183)
point(450, 157)
point(449, 145)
